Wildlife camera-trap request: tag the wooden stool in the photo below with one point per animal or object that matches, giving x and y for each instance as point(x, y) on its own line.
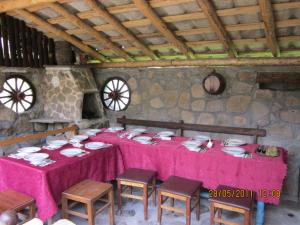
point(12, 200)
point(180, 189)
point(88, 192)
point(141, 179)
point(231, 199)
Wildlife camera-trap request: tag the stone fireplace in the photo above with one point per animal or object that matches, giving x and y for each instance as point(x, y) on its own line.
point(71, 96)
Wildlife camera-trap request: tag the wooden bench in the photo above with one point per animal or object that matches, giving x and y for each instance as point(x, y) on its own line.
point(11, 141)
point(194, 127)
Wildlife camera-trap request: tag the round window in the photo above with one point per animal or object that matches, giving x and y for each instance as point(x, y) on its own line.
point(116, 94)
point(18, 94)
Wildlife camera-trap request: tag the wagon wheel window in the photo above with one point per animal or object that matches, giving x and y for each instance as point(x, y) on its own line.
point(18, 94)
point(116, 94)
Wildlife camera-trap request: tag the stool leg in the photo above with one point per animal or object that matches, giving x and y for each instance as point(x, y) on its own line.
point(119, 195)
point(111, 207)
point(90, 213)
point(154, 192)
point(31, 211)
point(188, 211)
point(145, 200)
point(247, 218)
point(172, 203)
point(220, 214)
point(159, 209)
point(212, 213)
point(198, 206)
point(64, 203)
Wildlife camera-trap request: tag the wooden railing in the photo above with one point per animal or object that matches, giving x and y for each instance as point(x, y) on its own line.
point(11, 141)
point(194, 127)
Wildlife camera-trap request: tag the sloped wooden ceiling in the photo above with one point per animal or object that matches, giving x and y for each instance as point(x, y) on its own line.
point(140, 30)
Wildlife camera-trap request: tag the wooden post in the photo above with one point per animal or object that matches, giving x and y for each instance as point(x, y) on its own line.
point(29, 46)
point(1, 47)
point(40, 48)
point(181, 129)
point(34, 47)
point(45, 53)
point(11, 39)
point(52, 60)
point(17, 42)
point(5, 40)
point(23, 43)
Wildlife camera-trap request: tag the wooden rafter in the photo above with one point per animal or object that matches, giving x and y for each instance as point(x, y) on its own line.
point(59, 33)
point(8, 5)
point(146, 9)
point(100, 10)
point(95, 34)
point(269, 23)
point(217, 26)
point(204, 62)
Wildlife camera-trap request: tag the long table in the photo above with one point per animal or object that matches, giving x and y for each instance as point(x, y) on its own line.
point(45, 184)
point(261, 174)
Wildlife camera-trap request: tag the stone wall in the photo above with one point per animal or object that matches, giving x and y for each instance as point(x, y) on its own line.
point(11, 123)
point(172, 94)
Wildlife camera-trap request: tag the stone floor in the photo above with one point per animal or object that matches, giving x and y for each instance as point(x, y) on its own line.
point(132, 214)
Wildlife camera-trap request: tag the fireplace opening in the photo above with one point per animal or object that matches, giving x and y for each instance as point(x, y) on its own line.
point(90, 109)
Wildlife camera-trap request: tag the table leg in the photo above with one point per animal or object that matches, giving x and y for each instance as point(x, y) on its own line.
point(260, 213)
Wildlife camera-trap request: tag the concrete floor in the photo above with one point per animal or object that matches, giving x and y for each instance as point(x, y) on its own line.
point(286, 213)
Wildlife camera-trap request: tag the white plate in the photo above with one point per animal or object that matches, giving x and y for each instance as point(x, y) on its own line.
point(234, 142)
point(191, 143)
point(201, 138)
point(92, 132)
point(36, 157)
point(71, 151)
point(94, 145)
point(166, 133)
point(234, 150)
point(114, 129)
point(194, 149)
point(29, 149)
point(138, 130)
point(142, 139)
point(58, 143)
point(79, 138)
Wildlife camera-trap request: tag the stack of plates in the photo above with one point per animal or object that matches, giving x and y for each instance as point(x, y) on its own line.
point(143, 139)
point(135, 132)
point(29, 149)
point(114, 129)
point(70, 152)
point(92, 132)
point(166, 134)
point(192, 145)
point(55, 144)
point(78, 138)
point(36, 158)
point(94, 145)
point(234, 151)
point(233, 142)
point(201, 138)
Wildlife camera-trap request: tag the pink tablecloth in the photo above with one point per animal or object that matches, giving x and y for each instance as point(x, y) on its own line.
point(45, 184)
point(259, 173)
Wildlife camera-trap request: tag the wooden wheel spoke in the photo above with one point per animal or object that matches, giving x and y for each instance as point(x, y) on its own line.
point(12, 105)
point(109, 88)
point(13, 90)
point(114, 105)
point(122, 101)
point(26, 90)
point(16, 84)
point(110, 103)
point(21, 85)
point(7, 101)
point(17, 108)
point(26, 101)
point(121, 87)
point(117, 85)
point(6, 96)
point(8, 91)
point(22, 105)
point(123, 92)
point(124, 97)
point(119, 105)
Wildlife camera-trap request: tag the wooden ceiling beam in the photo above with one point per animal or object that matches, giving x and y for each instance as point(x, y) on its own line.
point(99, 9)
point(94, 33)
point(217, 26)
point(9, 5)
point(269, 24)
point(234, 27)
point(204, 62)
point(59, 33)
point(146, 9)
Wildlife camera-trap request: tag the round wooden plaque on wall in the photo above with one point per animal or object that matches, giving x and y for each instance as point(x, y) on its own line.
point(214, 83)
